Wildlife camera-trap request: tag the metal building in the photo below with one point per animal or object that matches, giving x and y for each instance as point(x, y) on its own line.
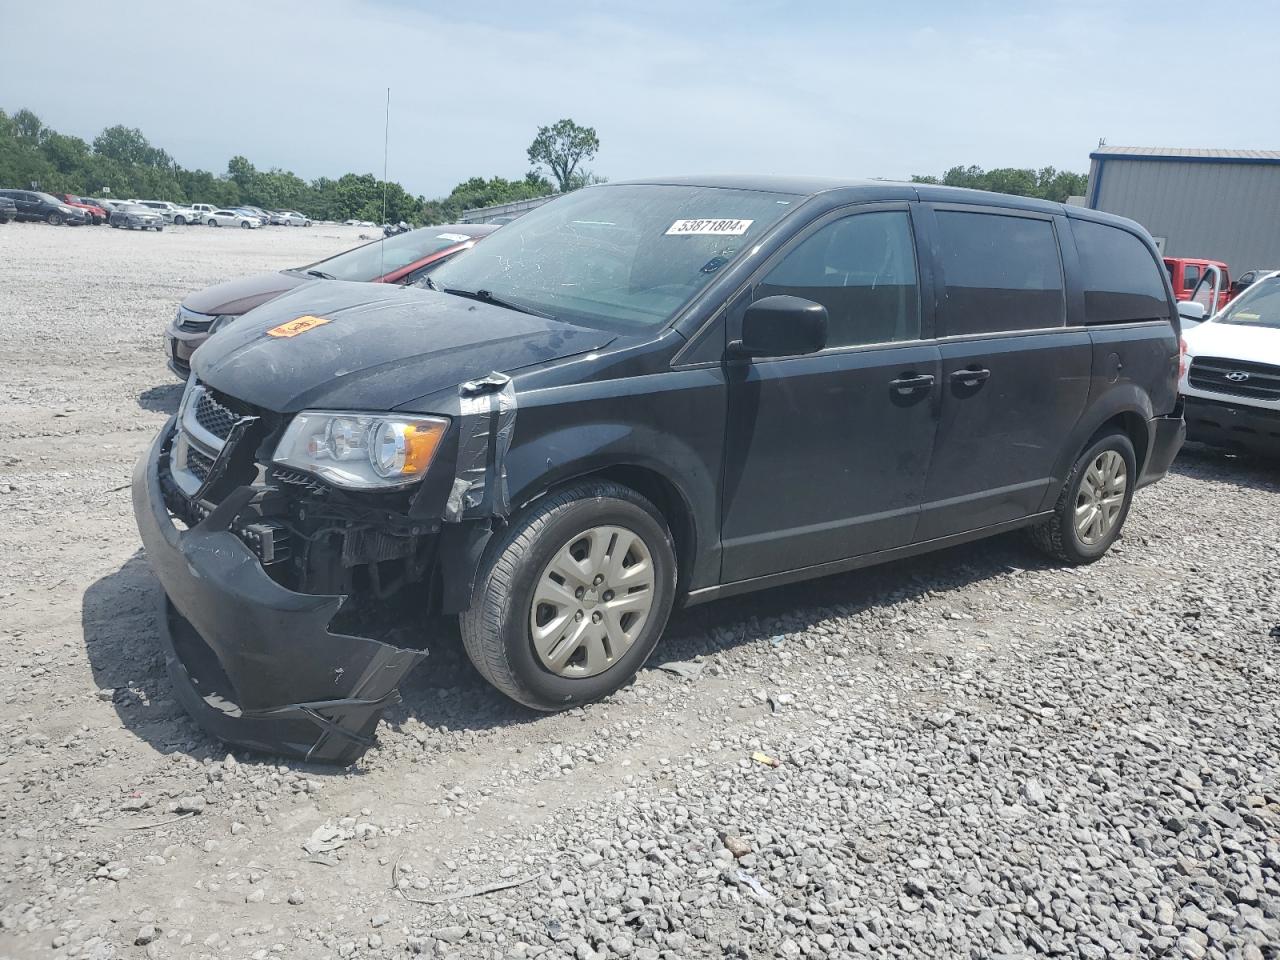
point(1217, 204)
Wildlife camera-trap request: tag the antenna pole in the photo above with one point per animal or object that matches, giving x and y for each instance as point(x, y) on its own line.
point(386, 140)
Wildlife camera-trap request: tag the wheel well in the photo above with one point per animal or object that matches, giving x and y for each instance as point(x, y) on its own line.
point(664, 495)
point(1134, 427)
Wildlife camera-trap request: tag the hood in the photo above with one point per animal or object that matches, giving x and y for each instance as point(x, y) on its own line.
point(380, 347)
point(1235, 341)
point(240, 296)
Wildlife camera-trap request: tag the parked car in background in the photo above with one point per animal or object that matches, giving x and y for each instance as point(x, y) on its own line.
point(404, 260)
point(634, 396)
point(93, 210)
point(202, 211)
point(136, 216)
point(171, 212)
point(1231, 374)
point(106, 205)
point(292, 218)
point(1186, 272)
point(232, 218)
point(1246, 279)
point(34, 205)
point(8, 210)
point(258, 212)
point(275, 218)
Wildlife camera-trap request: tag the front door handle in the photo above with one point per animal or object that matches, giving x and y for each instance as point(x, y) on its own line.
point(910, 384)
point(970, 378)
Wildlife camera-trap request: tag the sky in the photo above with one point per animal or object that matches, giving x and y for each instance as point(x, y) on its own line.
point(852, 89)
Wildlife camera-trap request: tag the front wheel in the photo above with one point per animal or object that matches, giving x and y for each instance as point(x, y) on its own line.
point(245, 225)
point(1094, 502)
point(573, 598)
point(158, 229)
point(55, 219)
point(179, 221)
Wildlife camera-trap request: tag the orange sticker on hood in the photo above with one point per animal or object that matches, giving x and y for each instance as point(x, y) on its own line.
point(295, 327)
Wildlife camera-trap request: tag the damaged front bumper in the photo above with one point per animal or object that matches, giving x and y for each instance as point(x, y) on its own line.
point(253, 662)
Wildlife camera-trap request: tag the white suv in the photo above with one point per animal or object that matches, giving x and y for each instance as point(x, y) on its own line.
point(171, 212)
point(1231, 372)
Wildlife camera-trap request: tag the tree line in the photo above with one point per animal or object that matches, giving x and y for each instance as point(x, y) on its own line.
point(121, 159)
point(1045, 183)
point(124, 162)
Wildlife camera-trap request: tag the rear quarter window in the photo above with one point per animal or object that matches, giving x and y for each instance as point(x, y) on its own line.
point(1120, 277)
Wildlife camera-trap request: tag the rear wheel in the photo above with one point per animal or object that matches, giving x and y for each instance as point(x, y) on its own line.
point(1094, 502)
point(179, 221)
point(158, 229)
point(213, 222)
point(572, 600)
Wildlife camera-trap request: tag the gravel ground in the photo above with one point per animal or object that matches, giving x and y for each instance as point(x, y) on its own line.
point(975, 754)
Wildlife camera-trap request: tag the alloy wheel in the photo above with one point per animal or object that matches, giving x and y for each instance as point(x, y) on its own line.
point(591, 601)
point(1101, 497)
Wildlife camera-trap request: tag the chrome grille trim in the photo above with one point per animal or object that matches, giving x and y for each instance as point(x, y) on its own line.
point(196, 447)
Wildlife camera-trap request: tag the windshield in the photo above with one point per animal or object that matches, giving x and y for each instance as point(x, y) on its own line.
point(381, 257)
point(622, 257)
point(1259, 306)
point(132, 208)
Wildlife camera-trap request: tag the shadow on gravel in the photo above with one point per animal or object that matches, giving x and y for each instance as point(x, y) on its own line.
point(162, 399)
point(118, 615)
point(1241, 469)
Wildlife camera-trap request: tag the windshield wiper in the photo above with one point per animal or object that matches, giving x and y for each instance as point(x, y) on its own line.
point(485, 296)
point(321, 274)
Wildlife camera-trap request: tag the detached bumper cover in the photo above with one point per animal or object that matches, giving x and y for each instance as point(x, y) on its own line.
point(1167, 436)
point(253, 662)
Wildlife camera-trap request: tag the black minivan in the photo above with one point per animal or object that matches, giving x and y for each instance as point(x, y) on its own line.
point(638, 395)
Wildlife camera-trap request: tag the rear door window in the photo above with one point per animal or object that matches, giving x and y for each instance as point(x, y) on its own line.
point(1190, 276)
point(862, 268)
point(1121, 279)
point(1000, 273)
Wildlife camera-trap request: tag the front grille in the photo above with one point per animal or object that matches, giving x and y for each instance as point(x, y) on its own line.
point(214, 416)
point(1235, 378)
point(198, 464)
point(192, 322)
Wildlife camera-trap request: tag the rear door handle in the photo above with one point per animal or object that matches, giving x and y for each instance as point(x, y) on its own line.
point(970, 378)
point(913, 383)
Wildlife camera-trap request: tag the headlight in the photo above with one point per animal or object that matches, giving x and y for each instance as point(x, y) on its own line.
point(361, 451)
point(222, 320)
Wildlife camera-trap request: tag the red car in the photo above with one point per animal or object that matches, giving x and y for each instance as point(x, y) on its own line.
point(1185, 273)
point(92, 210)
point(404, 258)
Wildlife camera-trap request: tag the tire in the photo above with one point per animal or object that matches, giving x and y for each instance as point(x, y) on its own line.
point(158, 229)
point(114, 226)
point(55, 219)
point(498, 629)
point(245, 225)
point(1060, 536)
point(179, 221)
point(213, 222)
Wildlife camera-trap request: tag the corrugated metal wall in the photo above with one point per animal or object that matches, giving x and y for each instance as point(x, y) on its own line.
point(1221, 211)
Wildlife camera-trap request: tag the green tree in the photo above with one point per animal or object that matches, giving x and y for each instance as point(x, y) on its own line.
point(562, 148)
point(28, 126)
point(1045, 183)
point(127, 145)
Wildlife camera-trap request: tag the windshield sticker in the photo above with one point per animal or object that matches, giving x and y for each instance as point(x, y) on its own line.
point(708, 228)
point(295, 327)
point(455, 237)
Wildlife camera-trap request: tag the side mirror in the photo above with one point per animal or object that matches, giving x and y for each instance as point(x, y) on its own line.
point(781, 326)
point(1190, 310)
